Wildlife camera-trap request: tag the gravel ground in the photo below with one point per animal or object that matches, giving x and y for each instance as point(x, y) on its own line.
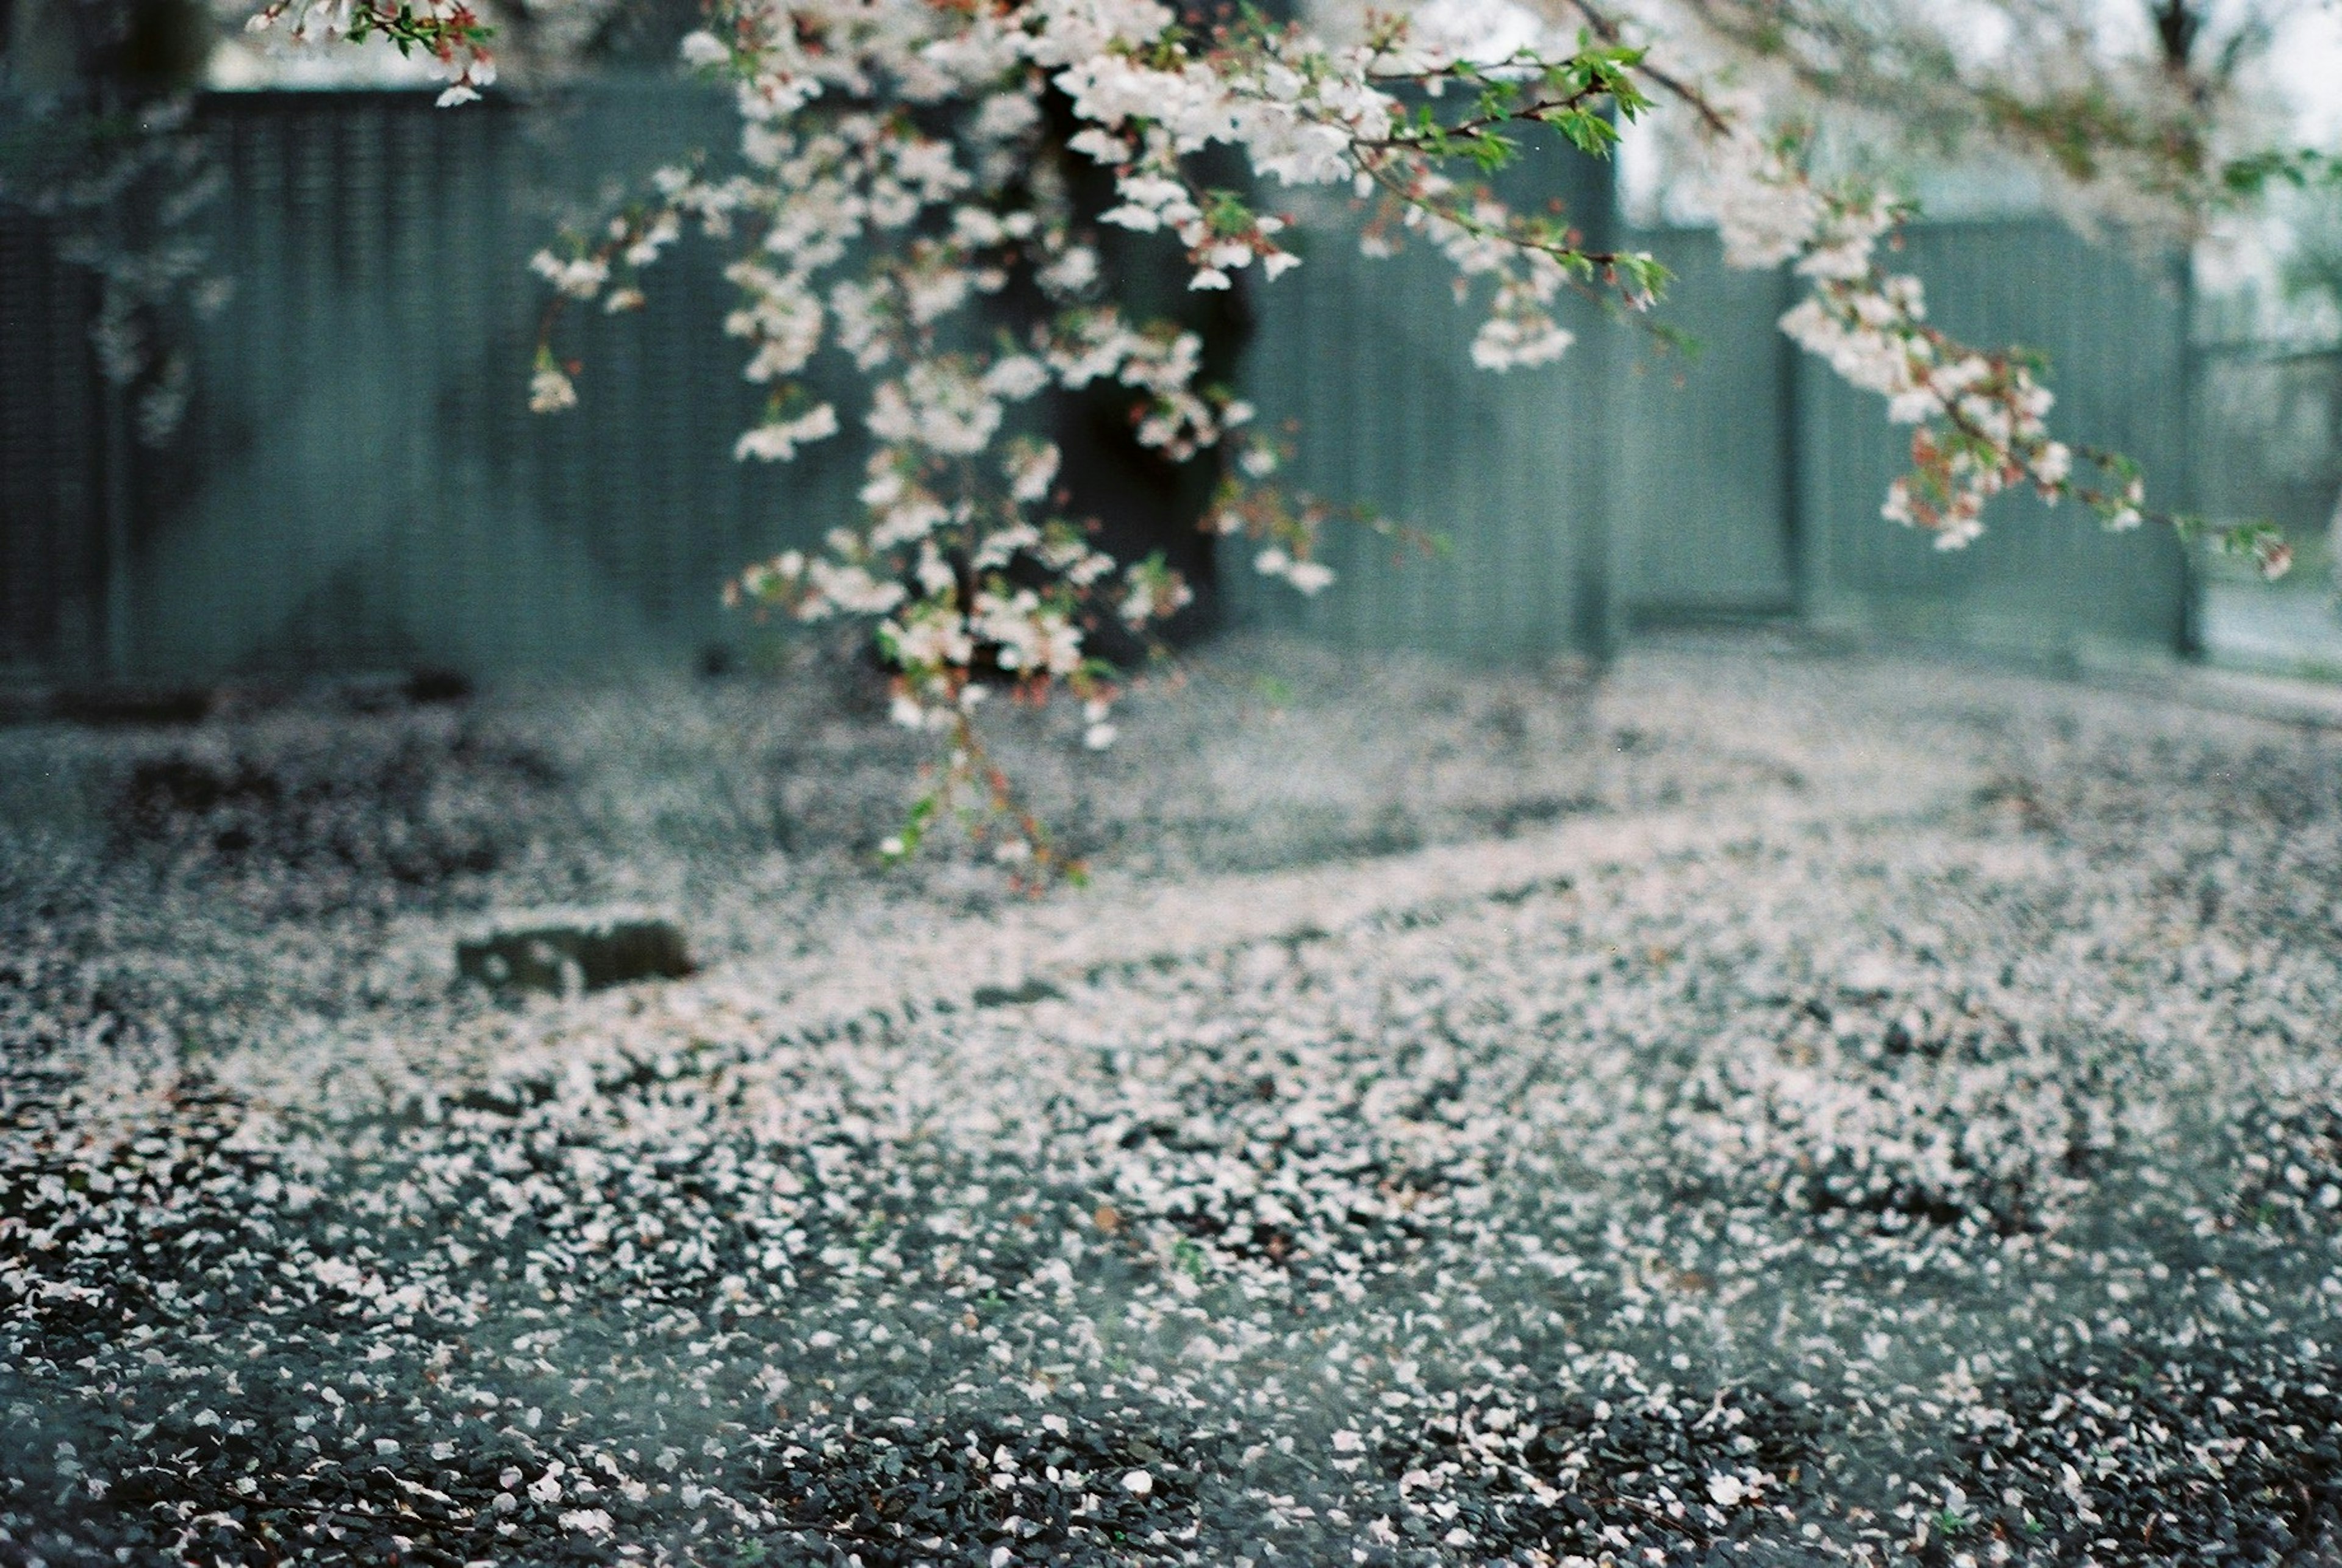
point(1760, 1107)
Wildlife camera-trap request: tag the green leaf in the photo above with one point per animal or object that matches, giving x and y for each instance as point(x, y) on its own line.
point(1588, 132)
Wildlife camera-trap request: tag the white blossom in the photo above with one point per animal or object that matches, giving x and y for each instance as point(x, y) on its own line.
point(778, 441)
point(550, 391)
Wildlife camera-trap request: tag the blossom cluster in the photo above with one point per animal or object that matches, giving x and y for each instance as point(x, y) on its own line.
point(904, 202)
point(1979, 416)
point(451, 33)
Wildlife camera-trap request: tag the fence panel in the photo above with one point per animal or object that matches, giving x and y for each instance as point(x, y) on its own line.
point(1371, 358)
point(1704, 474)
point(373, 490)
point(2269, 434)
point(2049, 581)
point(52, 419)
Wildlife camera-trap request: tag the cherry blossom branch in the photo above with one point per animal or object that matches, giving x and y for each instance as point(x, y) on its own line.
point(1981, 416)
point(449, 31)
point(1606, 27)
point(1026, 846)
point(904, 160)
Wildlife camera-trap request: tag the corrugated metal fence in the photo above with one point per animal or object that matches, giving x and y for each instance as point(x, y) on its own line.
point(1707, 472)
point(1370, 361)
point(52, 457)
point(368, 488)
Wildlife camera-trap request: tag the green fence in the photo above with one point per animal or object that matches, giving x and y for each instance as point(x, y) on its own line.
point(366, 395)
point(53, 418)
point(1637, 482)
point(2268, 434)
point(1370, 360)
point(1706, 476)
point(361, 485)
point(1753, 484)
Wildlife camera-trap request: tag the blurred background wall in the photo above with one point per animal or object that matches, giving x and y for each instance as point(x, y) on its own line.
point(356, 483)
